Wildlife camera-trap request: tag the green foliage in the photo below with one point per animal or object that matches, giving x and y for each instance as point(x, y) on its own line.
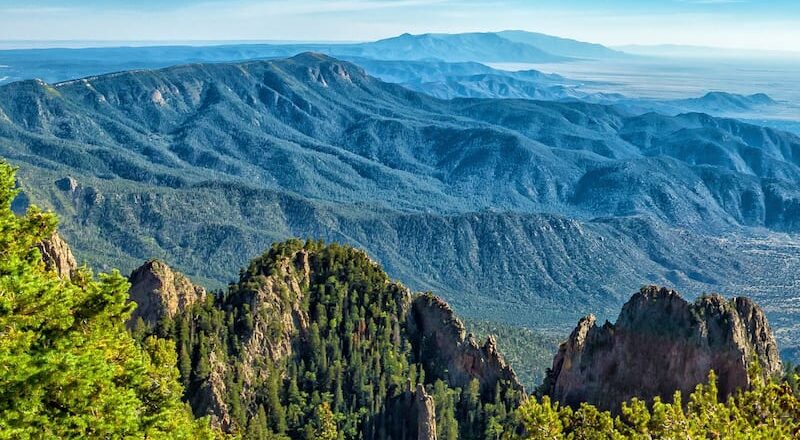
point(69, 367)
point(768, 410)
point(352, 365)
point(324, 423)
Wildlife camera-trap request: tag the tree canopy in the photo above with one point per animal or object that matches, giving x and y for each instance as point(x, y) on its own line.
point(769, 409)
point(68, 366)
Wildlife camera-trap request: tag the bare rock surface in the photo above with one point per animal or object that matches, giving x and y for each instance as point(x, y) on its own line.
point(662, 343)
point(446, 348)
point(425, 408)
point(58, 257)
point(67, 184)
point(159, 291)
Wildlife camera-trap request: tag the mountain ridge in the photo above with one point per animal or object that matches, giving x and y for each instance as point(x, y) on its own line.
point(313, 146)
point(308, 319)
point(563, 46)
point(83, 62)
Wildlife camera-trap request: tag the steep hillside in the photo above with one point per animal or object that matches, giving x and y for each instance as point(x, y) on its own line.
point(321, 128)
point(309, 327)
point(70, 368)
point(556, 207)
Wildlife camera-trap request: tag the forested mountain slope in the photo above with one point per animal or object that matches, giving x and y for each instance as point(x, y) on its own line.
point(553, 207)
point(310, 328)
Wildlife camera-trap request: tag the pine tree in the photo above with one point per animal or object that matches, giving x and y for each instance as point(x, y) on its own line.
point(325, 423)
point(69, 367)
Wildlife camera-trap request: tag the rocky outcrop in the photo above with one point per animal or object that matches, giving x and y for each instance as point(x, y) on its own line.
point(323, 319)
point(58, 257)
point(67, 184)
point(209, 400)
point(660, 344)
point(425, 409)
point(159, 291)
point(276, 300)
point(449, 353)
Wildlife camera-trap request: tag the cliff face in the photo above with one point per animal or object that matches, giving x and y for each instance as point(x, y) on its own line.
point(449, 353)
point(660, 344)
point(437, 335)
point(58, 257)
point(159, 291)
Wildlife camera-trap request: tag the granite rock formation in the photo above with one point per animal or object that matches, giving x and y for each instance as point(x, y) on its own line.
point(446, 349)
point(425, 409)
point(294, 297)
point(58, 257)
point(662, 343)
point(159, 291)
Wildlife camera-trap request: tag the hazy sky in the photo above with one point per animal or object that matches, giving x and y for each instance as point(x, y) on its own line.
point(752, 24)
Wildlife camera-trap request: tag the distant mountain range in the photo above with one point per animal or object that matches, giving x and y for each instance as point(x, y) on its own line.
point(474, 80)
point(487, 47)
point(563, 46)
point(442, 65)
point(54, 64)
point(549, 209)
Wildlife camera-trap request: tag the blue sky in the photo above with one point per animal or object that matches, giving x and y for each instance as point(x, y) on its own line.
point(752, 24)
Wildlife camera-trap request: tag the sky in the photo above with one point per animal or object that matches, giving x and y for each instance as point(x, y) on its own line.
point(747, 24)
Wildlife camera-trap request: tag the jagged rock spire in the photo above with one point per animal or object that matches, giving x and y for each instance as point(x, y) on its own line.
point(426, 414)
point(660, 344)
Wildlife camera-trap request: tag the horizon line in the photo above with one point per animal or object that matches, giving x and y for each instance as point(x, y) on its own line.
point(23, 44)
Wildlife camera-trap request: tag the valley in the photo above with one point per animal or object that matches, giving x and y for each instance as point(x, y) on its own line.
point(431, 235)
point(557, 207)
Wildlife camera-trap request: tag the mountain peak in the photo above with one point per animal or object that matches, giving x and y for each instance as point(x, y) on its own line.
point(159, 292)
point(299, 297)
point(471, 46)
point(312, 58)
point(735, 100)
point(325, 70)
